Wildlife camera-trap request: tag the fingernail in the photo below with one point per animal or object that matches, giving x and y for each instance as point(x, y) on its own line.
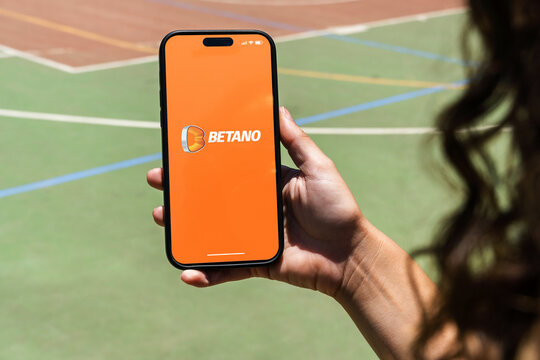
point(285, 112)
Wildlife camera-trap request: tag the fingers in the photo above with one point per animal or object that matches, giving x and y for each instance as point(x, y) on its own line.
point(195, 278)
point(155, 178)
point(286, 174)
point(205, 278)
point(157, 213)
point(303, 151)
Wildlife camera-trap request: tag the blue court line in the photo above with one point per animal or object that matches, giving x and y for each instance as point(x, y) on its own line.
point(230, 15)
point(401, 49)
point(375, 103)
point(145, 159)
point(280, 25)
point(78, 175)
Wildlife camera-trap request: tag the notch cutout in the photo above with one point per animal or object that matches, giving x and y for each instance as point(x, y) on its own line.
point(218, 41)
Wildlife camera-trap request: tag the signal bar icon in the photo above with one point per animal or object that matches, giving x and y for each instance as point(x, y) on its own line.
point(251, 42)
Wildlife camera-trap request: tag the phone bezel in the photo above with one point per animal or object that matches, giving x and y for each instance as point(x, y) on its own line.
point(165, 150)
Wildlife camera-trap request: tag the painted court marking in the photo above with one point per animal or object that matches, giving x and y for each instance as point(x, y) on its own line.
point(400, 49)
point(332, 32)
point(76, 69)
point(370, 131)
point(78, 119)
point(114, 64)
point(4, 55)
point(374, 104)
point(74, 31)
point(155, 125)
point(365, 79)
point(363, 27)
point(284, 26)
point(37, 59)
point(228, 15)
point(149, 158)
point(357, 28)
point(301, 121)
point(154, 157)
point(78, 175)
point(8, 52)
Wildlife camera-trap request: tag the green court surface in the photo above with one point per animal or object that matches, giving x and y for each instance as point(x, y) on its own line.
point(83, 268)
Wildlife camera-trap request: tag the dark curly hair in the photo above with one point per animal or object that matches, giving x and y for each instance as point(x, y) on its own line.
point(488, 252)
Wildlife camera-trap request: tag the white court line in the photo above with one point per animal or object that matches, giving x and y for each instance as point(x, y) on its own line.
point(361, 27)
point(387, 131)
point(37, 59)
point(10, 52)
point(369, 131)
point(114, 64)
point(339, 30)
point(356, 28)
point(155, 125)
point(78, 119)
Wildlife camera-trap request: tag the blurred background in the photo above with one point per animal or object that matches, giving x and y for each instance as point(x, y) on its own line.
point(83, 272)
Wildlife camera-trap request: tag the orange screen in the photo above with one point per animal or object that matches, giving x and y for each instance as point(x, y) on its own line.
point(221, 149)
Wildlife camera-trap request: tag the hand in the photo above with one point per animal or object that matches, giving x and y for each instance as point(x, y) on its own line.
point(322, 222)
point(332, 248)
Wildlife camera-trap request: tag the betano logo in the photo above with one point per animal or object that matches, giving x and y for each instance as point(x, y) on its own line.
point(193, 137)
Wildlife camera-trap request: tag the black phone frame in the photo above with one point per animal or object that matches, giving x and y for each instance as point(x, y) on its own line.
point(165, 150)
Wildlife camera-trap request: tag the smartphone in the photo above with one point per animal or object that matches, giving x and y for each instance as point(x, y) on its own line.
point(221, 152)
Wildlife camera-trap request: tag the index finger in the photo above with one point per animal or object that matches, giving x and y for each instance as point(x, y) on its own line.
point(155, 178)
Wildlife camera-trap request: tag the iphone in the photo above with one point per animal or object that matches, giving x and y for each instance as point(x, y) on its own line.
point(221, 153)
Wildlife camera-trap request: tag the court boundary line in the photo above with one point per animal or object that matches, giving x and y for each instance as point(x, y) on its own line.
point(335, 31)
point(375, 103)
point(89, 120)
point(363, 27)
point(68, 29)
point(281, 25)
point(156, 125)
point(78, 175)
point(37, 59)
point(5, 56)
point(114, 64)
point(9, 113)
point(358, 79)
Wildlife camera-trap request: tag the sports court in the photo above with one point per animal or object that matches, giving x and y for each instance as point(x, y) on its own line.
point(83, 268)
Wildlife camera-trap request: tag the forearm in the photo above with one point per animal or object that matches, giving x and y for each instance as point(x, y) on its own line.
point(385, 292)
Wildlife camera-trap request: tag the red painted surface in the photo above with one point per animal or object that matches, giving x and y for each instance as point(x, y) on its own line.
point(145, 23)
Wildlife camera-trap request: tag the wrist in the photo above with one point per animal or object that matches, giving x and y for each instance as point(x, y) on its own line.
point(368, 242)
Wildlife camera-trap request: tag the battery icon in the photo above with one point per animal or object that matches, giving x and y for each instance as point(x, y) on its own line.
point(258, 42)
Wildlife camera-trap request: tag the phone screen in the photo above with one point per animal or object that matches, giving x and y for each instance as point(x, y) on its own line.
point(223, 151)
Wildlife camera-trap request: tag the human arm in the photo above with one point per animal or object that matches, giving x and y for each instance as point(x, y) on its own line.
point(332, 248)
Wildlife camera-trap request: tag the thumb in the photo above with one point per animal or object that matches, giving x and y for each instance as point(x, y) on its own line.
point(303, 151)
